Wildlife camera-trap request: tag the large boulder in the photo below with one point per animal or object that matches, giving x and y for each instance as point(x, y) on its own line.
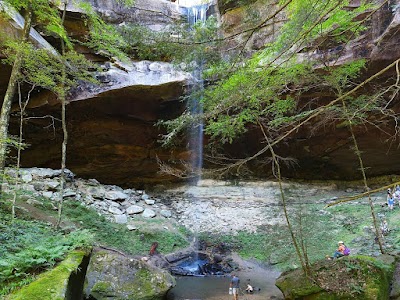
point(114, 276)
point(361, 277)
point(64, 282)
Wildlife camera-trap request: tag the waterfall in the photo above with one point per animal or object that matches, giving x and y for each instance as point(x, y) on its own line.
point(194, 14)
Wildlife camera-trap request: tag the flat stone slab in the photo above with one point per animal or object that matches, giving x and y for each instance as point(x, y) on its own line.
point(148, 213)
point(134, 209)
point(115, 195)
point(114, 210)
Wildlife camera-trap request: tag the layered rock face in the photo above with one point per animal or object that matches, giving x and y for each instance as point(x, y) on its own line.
point(112, 132)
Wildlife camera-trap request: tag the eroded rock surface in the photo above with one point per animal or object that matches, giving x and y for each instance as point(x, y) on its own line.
point(112, 132)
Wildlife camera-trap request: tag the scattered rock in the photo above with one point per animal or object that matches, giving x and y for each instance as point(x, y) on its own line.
point(93, 181)
point(47, 194)
point(26, 177)
point(114, 210)
point(69, 193)
point(150, 201)
point(121, 219)
point(148, 213)
point(115, 195)
point(166, 213)
point(97, 192)
point(131, 227)
point(134, 209)
point(52, 185)
point(39, 186)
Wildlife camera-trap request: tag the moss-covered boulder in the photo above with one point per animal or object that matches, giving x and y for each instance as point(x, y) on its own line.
point(360, 277)
point(112, 275)
point(64, 282)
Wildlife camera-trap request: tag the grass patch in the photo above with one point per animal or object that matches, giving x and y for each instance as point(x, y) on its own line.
point(119, 237)
point(30, 247)
point(319, 228)
point(52, 284)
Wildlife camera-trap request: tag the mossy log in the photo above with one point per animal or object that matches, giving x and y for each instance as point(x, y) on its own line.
point(53, 284)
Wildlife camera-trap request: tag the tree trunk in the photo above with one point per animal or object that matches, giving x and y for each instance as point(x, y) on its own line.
point(62, 97)
point(302, 255)
point(362, 169)
point(8, 98)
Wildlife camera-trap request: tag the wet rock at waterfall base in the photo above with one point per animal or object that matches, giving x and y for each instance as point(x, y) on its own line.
point(199, 264)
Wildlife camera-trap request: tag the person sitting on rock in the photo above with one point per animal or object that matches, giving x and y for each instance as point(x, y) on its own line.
point(339, 252)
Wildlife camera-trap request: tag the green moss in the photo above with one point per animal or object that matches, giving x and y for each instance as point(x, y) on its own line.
point(295, 283)
point(113, 275)
point(359, 277)
point(101, 288)
point(149, 286)
point(51, 285)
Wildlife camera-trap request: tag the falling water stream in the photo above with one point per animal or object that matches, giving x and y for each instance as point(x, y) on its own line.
point(214, 287)
point(195, 14)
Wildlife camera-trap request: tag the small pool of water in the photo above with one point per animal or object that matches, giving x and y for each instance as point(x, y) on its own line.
point(216, 288)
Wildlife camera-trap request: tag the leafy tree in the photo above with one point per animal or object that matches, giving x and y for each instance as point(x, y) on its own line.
point(266, 90)
point(56, 72)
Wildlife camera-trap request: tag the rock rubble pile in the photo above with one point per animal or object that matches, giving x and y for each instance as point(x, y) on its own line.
point(116, 204)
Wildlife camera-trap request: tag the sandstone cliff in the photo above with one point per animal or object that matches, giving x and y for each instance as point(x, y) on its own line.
point(111, 125)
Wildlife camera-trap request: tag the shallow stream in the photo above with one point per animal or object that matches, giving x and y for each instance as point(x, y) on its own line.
point(216, 288)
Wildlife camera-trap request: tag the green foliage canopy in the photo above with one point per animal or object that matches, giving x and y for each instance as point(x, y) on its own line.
point(267, 88)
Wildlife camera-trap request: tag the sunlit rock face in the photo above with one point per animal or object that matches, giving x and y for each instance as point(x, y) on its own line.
point(237, 16)
point(154, 14)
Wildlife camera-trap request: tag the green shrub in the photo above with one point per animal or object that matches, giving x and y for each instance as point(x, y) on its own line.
point(28, 247)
